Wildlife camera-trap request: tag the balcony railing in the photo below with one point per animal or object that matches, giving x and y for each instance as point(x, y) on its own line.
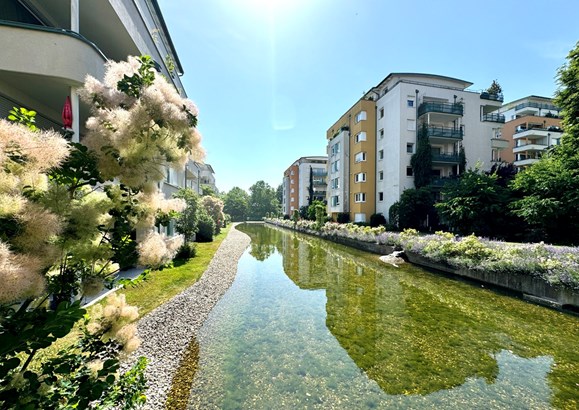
point(493, 97)
point(443, 108)
point(449, 158)
point(445, 132)
point(442, 181)
point(494, 118)
point(536, 105)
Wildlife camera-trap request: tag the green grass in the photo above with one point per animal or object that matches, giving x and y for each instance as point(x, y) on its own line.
point(162, 286)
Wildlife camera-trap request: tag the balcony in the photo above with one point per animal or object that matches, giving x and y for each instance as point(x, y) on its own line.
point(441, 108)
point(499, 143)
point(439, 182)
point(453, 158)
point(534, 108)
point(536, 133)
point(525, 162)
point(492, 97)
point(530, 147)
point(500, 118)
point(455, 134)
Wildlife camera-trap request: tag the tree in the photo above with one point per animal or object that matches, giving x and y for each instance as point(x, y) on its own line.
point(476, 203)
point(549, 188)
point(495, 88)
point(214, 208)
point(207, 190)
point(421, 160)
point(262, 200)
point(311, 187)
point(236, 204)
point(415, 209)
point(279, 193)
point(186, 223)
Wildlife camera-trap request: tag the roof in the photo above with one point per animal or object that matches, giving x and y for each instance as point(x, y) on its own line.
point(463, 83)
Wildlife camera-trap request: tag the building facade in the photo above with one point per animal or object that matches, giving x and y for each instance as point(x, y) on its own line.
point(532, 126)
point(351, 148)
point(49, 47)
point(305, 179)
point(380, 134)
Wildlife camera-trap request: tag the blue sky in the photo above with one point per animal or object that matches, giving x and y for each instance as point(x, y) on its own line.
point(271, 76)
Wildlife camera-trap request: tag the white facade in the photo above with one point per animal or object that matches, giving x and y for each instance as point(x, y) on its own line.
point(338, 177)
point(454, 116)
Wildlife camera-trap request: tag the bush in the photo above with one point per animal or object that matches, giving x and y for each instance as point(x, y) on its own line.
point(186, 251)
point(377, 220)
point(343, 217)
point(286, 217)
point(206, 228)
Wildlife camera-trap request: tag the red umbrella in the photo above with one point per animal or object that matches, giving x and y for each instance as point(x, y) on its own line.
point(67, 113)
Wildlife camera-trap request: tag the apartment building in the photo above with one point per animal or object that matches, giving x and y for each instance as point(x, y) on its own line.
point(48, 48)
point(352, 162)
point(304, 179)
point(379, 135)
point(532, 126)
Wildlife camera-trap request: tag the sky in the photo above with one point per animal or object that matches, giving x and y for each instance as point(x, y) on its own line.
point(271, 76)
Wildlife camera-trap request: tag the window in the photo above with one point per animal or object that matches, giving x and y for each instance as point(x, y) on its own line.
point(336, 165)
point(292, 191)
point(335, 149)
point(335, 183)
point(291, 181)
point(411, 125)
point(291, 173)
point(410, 148)
point(409, 172)
point(381, 112)
point(410, 103)
point(360, 197)
point(381, 176)
point(291, 199)
point(380, 196)
point(361, 116)
point(382, 133)
point(335, 200)
point(361, 136)
point(360, 156)
point(381, 154)
point(361, 177)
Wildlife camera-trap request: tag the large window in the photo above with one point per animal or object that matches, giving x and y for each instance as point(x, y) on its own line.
point(336, 165)
point(335, 183)
point(360, 197)
point(360, 156)
point(381, 112)
point(361, 116)
point(361, 136)
point(380, 196)
point(381, 176)
point(335, 149)
point(361, 177)
point(381, 154)
point(335, 200)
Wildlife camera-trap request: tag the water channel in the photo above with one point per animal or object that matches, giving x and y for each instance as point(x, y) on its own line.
point(311, 324)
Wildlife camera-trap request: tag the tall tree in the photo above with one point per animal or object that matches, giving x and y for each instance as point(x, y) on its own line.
point(279, 193)
point(421, 160)
point(237, 204)
point(549, 188)
point(262, 200)
point(311, 187)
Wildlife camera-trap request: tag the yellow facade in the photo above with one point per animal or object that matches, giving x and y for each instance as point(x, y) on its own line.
point(361, 171)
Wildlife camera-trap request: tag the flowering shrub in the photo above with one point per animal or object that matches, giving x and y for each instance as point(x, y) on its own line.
point(557, 265)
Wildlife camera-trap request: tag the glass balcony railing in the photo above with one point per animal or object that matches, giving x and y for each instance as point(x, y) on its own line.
point(536, 105)
point(442, 181)
point(445, 132)
point(448, 158)
point(493, 97)
point(442, 108)
point(494, 118)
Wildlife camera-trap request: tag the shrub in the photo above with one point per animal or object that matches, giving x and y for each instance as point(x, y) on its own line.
point(186, 251)
point(343, 217)
point(377, 220)
point(206, 228)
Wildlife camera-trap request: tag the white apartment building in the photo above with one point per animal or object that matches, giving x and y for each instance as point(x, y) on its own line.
point(338, 172)
point(454, 116)
point(297, 188)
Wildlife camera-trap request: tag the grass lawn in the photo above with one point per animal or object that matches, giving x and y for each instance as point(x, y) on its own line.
point(163, 285)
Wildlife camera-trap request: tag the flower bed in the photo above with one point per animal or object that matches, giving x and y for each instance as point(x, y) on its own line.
point(556, 265)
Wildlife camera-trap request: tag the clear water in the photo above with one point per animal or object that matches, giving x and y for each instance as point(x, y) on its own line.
point(310, 324)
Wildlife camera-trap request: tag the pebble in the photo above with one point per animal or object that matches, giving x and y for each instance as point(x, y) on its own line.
point(166, 332)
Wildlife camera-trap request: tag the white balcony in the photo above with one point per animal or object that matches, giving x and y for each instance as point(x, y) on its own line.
point(525, 162)
point(536, 133)
point(530, 147)
point(499, 143)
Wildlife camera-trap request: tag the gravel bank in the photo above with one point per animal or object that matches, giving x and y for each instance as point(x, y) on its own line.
point(166, 331)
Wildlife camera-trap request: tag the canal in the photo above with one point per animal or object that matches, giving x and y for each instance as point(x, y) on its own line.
point(311, 324)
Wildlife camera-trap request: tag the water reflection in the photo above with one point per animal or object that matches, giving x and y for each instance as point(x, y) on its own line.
point(424, 340)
